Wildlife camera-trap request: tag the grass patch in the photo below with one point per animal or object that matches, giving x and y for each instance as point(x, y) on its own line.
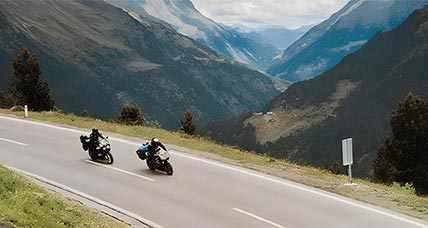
point(395, 197)
point(23, 204)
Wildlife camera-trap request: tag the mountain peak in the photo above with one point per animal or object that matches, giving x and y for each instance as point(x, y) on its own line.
point(323, 46)
point(187, 20)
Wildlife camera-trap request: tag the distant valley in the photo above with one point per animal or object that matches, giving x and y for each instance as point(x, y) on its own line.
point(325, 45)
point(187, 20)
point(354, 99)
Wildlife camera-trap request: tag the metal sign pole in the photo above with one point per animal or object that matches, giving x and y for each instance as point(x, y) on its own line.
point(348, 157)
point(25, 111)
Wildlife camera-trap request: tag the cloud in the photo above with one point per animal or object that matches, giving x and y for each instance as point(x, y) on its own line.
point(262, 13)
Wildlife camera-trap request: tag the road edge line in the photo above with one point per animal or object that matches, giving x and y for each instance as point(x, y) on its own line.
point(285, 182)
point(95, 200)
point(13, 142)
point(120, 171)
point(258, 218)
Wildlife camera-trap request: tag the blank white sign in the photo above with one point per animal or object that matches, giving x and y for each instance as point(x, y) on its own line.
point(347, 151)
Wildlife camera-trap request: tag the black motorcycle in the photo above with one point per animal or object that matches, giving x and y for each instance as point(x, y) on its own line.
point(99, 154)
point(158, 161)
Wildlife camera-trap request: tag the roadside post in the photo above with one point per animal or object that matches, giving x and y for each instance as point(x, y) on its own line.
point(348, 157)
point(26, 111)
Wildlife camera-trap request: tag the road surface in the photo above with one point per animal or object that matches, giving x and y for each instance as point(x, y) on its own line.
point(201, 193)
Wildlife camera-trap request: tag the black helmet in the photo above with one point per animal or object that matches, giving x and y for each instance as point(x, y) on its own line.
point(95, 131)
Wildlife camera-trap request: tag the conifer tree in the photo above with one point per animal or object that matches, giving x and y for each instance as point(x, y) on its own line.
point(27, 88)
point(187, 125)
point(404, 157)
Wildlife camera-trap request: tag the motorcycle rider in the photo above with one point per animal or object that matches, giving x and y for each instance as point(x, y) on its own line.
point(94, 138)
point(154, 145)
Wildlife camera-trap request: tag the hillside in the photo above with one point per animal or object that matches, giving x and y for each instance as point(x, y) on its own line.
point(354, 99)
point(325, 45)
point(187, 20)
point(97, 56)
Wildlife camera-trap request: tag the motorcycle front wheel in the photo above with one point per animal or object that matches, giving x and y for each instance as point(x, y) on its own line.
point(150, 164)
point(168, 169)
point(108, 158)
point(93, 157)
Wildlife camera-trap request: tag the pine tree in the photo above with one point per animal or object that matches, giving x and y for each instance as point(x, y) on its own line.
point(187, 125)
point(27, 88)
point(131, 114)
point(384, 171)
point(5, 100)
point(404, 156)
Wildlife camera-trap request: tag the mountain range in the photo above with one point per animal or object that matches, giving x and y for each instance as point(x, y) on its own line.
point(354, 99)
point(96, 57)
point(325, 45)
point(279, 37)
point(187, 20)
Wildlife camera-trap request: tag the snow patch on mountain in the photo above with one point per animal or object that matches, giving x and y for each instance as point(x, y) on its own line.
point(306, 71)
point(348, 47)
point(237, 54)
point(133, 15)
point(279, 56)
point(162, 10)
point(350, 9)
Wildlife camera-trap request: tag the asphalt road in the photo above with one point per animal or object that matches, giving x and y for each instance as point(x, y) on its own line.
point(201, 193)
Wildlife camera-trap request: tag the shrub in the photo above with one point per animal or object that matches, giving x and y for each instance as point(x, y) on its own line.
point(17, 108)
point(404, 156)
point(131, 114)
point(187, 125)
point(5, 100)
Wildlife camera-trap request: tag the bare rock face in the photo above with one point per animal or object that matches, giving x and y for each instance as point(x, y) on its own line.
point(97, 56)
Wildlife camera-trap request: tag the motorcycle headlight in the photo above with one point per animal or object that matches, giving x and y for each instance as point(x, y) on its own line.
point(163, 155)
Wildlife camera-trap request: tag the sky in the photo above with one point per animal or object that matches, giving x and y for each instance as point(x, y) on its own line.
point(255, 14)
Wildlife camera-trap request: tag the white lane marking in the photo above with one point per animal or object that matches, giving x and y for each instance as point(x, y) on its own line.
point(89, 197)
point(258, 218)
point(301, 187)
point(121, 171)
point(13, 141)
point(311, 190)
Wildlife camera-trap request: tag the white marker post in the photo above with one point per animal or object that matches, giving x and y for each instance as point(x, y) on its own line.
point(25, 111)
point(348, 157)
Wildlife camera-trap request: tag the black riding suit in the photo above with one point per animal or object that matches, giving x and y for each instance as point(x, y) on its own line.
point(94, 140)
point(153, 149)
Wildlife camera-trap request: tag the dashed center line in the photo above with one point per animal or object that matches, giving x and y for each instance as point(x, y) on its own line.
point(121, 171)
point(13, 141)
point(258, 218)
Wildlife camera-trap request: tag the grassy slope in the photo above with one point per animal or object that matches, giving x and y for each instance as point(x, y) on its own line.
point(401, 199)
point(22, 204)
